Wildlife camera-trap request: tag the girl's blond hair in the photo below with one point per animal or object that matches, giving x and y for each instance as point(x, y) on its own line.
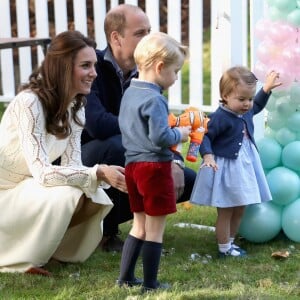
point(160, 46)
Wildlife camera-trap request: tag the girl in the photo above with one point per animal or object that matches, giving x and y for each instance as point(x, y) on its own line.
point(231, 175)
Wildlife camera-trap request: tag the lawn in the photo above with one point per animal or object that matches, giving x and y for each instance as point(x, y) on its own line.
point(189, 263)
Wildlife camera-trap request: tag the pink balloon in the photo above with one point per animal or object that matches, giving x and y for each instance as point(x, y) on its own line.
point(260, 71)
point(296, 50)
point(288, 55)
point(281, 32)
point(268, 51)
point(285, 75)
point(261, 29)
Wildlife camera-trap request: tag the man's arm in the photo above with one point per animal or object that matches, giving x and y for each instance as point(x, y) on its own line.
point(100, 124)
point(103, 102)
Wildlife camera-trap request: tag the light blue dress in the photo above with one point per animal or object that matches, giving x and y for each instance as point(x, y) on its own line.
point(237, 182)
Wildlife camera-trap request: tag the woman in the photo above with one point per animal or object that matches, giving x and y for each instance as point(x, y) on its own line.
point(49, 210)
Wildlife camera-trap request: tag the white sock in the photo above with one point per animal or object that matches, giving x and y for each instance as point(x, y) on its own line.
point(224, 247)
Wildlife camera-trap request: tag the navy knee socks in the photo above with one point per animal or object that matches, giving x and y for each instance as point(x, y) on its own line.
point(130, 253)
point(151, 258)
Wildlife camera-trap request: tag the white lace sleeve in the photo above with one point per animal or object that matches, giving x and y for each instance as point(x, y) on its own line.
point(33, 138)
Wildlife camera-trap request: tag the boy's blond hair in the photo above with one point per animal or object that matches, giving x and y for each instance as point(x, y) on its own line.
point(159, 46)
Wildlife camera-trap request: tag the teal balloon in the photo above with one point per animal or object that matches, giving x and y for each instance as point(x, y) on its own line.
point(269, 152)
point(294, 17)
point(284, 185)
point(285, 136)
point(293, 122)
point(295, 93)
point(285, 5)
point(261, 222)
point(270, 132)
point(291, 156)
point(271, 105)
point(284, 106)
point(276, 14)
point(291, 220)
point(275, 121)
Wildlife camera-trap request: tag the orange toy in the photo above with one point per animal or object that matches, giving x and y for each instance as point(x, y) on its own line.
point(198, 121)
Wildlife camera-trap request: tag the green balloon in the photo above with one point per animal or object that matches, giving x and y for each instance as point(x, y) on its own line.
point(291, 220)
point(271, 105)
point(284, 106)
point(291, 157)
point(285, 136)
point(261, 222)
point(276, 14)
point(269, 152)
point(294, 17)
point(275, 121)
point(293, 122)
point(285, 5)
point(284, 185)
point(295, 93)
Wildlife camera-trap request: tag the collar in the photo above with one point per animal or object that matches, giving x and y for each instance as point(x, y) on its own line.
point(108, 56)
point(146, 85)
point(230, 111)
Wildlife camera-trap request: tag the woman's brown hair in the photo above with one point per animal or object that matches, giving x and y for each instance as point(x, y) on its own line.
point(52, 81)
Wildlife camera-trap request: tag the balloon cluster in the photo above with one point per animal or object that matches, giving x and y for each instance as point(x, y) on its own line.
point(279, 47)
point(280, 148)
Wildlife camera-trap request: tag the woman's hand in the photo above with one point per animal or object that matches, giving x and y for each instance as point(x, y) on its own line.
point(113, 175)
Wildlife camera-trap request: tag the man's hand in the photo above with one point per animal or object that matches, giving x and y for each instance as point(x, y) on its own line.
point(178, 178)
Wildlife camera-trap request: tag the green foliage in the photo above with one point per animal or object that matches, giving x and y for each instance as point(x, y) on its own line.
point(2, 109)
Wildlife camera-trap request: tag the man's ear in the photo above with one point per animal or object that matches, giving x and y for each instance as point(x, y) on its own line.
point(115, 38)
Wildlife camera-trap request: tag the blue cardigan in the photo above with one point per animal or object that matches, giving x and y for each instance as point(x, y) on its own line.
point(226, 129)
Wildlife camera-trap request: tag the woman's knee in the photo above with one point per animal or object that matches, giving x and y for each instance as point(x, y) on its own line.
point(85, 209)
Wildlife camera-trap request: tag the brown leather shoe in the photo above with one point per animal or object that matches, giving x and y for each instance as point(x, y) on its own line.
point(38, 271)
point(111, 243)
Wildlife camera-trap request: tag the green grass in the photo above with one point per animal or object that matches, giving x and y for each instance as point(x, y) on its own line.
point(257, 277)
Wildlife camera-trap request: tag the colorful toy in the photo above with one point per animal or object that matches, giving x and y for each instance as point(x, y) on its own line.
point(198, 121)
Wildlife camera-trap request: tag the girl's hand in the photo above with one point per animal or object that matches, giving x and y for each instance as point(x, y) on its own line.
point(272, 81)
point(209, 161)
point(113, 175)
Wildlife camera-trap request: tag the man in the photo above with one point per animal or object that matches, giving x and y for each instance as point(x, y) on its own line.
point(124, 26)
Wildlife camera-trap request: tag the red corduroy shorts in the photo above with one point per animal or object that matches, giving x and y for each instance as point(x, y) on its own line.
point(151, 188)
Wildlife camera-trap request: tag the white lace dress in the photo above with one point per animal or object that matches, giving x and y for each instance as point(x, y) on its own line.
point(38, 199)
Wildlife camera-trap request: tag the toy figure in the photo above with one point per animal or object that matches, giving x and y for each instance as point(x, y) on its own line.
point(198, 121)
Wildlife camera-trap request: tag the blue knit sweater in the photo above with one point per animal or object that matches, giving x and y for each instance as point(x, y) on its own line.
point(143, 119)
